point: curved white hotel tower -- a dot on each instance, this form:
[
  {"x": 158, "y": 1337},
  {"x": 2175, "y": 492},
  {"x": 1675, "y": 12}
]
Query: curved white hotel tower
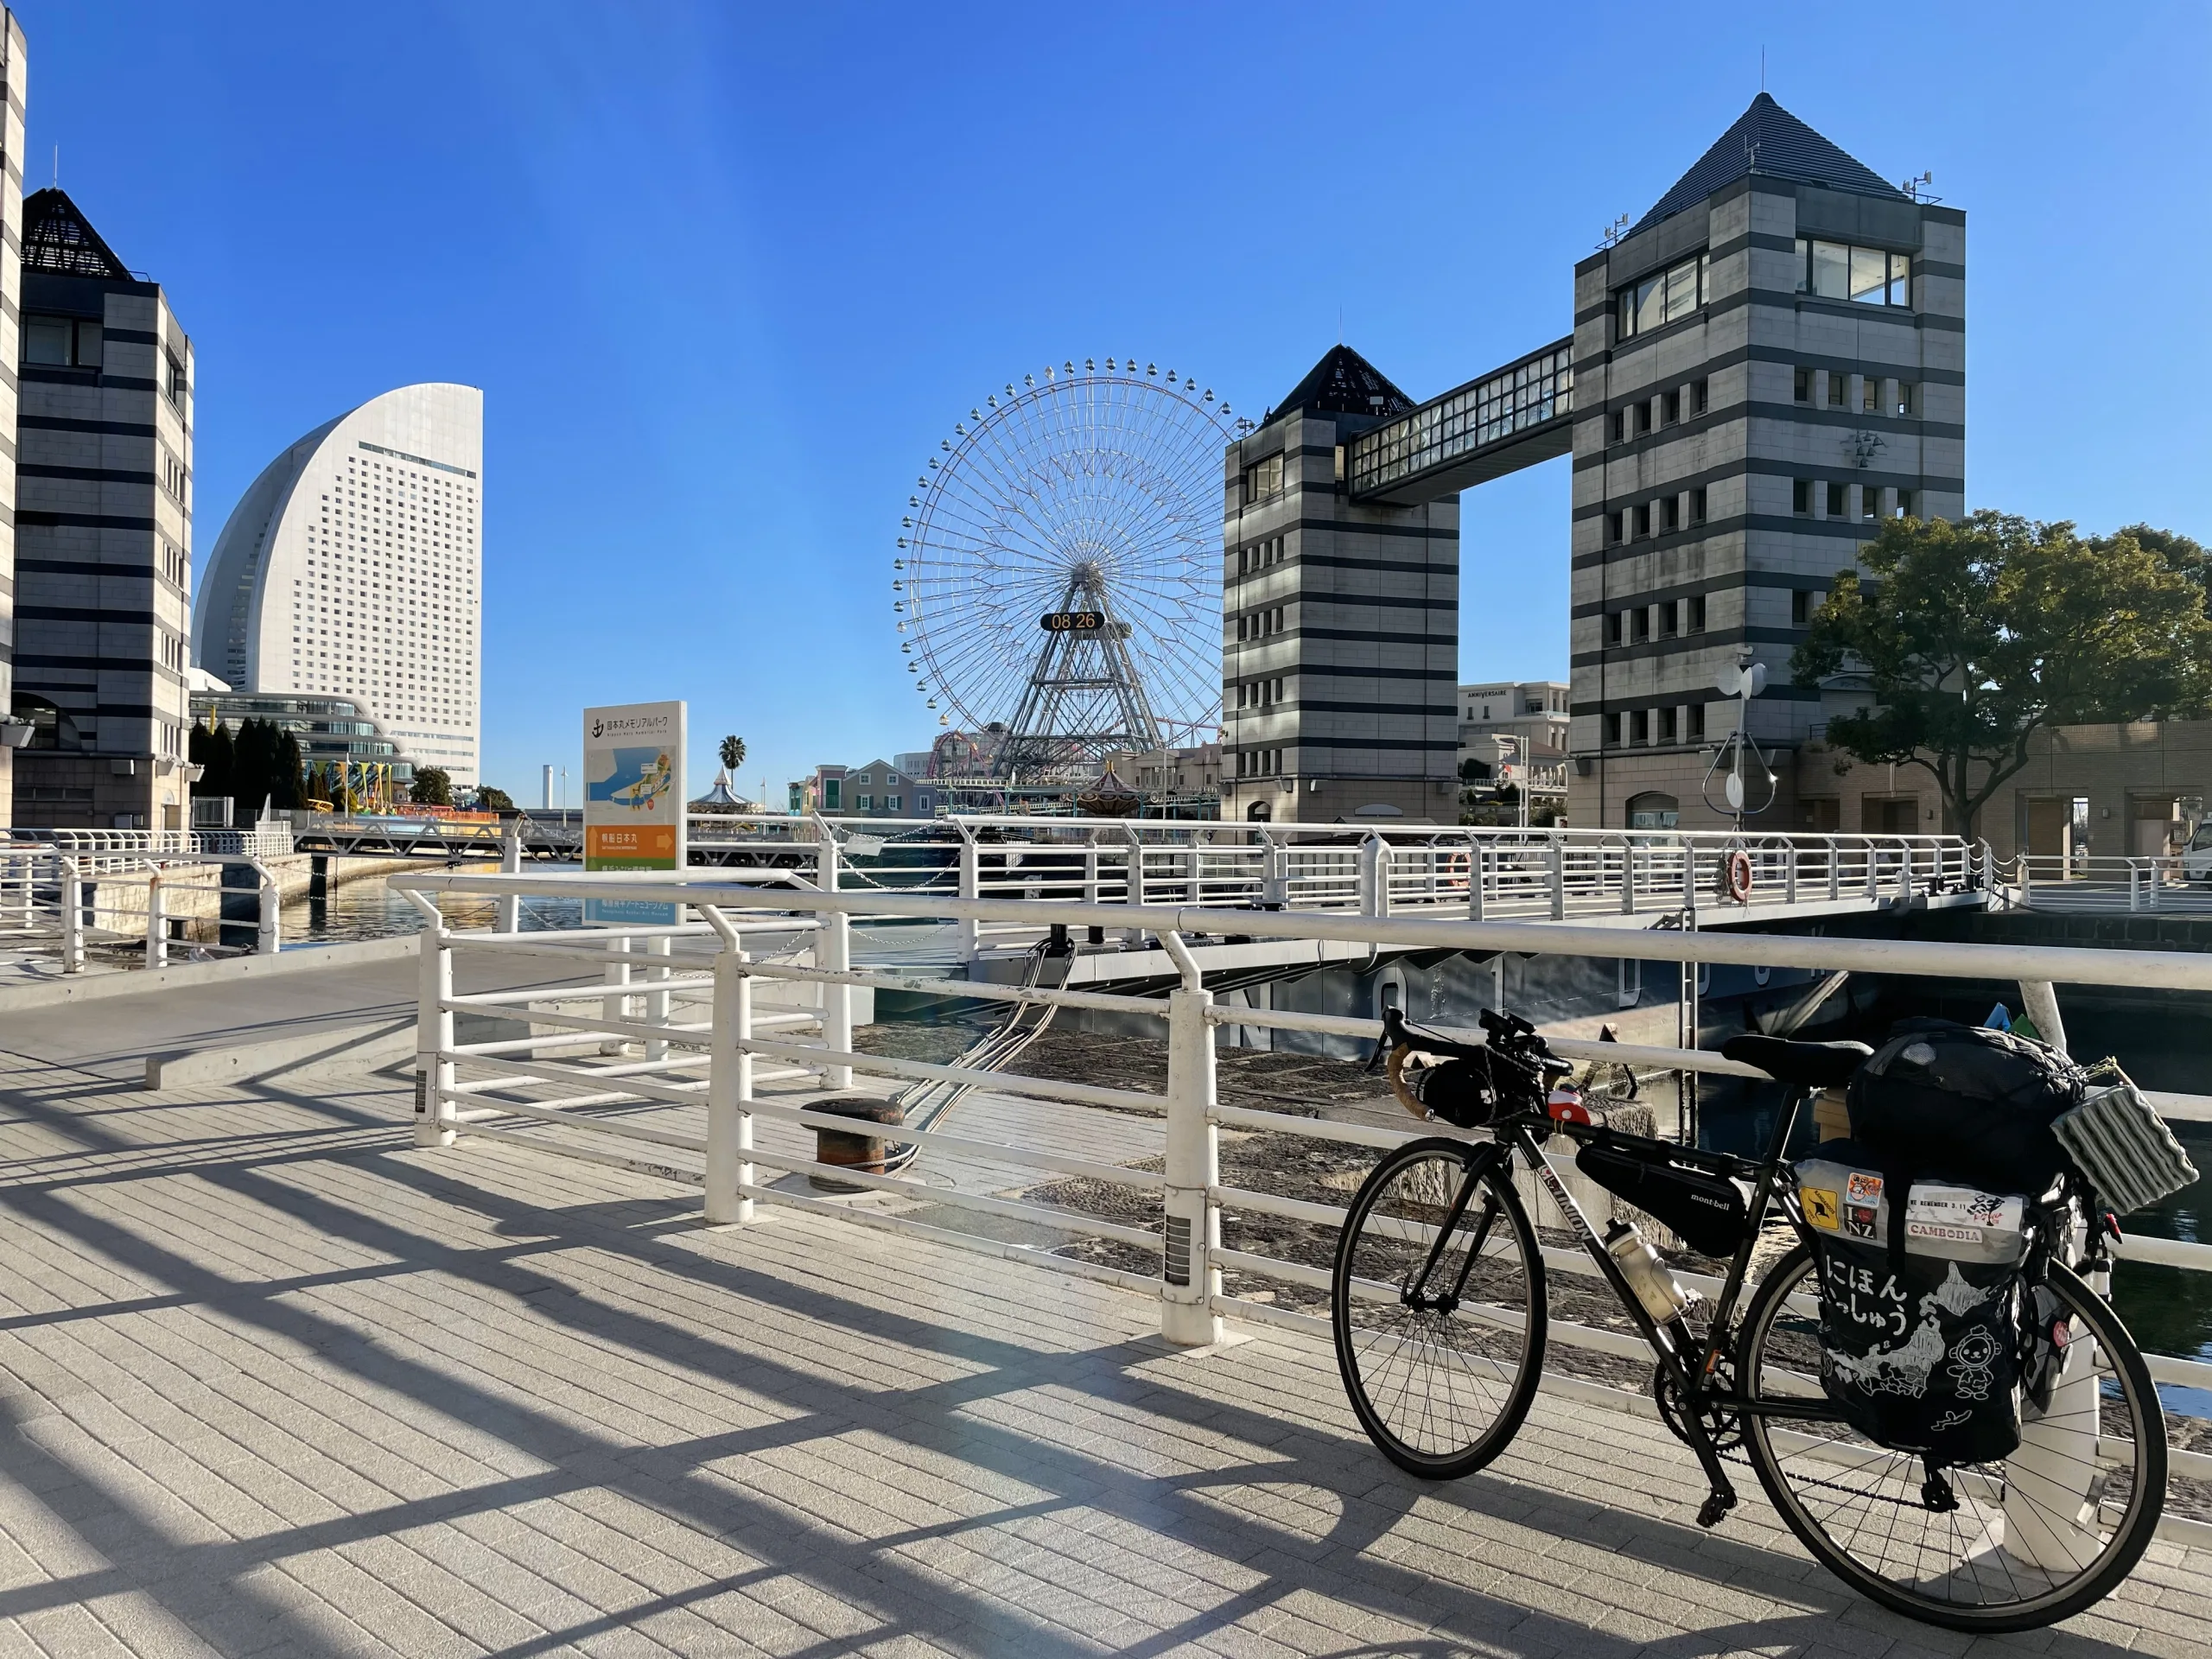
[{"x": 354, "y": 566}]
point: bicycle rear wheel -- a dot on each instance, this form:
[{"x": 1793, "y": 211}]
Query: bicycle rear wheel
[
  {"x": 2032, "y": 1539},
  {"x": 1439, "y": 1308}
]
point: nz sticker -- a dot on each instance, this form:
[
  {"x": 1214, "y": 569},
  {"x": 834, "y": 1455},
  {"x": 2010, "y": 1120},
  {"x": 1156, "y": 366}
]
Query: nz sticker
[
  {"x": 1859, "y": 1222},
  {"x": 1863, "y": 1189},
  {"x": 1819, "y": 1206}
]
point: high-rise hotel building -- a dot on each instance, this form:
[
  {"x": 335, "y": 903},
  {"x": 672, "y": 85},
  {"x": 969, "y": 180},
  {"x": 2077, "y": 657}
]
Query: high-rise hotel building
[{"x": 354, "y": 566}]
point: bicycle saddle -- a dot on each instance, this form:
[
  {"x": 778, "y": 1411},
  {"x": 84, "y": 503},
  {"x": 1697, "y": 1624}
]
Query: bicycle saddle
[{"x": 1808, "y": 1065}]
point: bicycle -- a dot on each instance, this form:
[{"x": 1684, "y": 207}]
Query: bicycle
[{"x": 1439, "y": 1313}]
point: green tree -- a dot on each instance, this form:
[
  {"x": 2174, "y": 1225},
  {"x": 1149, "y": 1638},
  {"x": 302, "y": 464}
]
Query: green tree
[
  {"x": 433, "y": 786},
  {"x": 287, "y": 791},
  {"x": 491, "y": 798},
  {"x": 1969, "y": 638},
  {"x": 732, "y": 750},
  {"x": 214, "y": 750}
]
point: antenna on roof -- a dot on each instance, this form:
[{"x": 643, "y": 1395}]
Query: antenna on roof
[
  {"x": 1611, "y": 235},
  {"x": 57, "y": 166},
  {"x": 1917, "y": 188}
]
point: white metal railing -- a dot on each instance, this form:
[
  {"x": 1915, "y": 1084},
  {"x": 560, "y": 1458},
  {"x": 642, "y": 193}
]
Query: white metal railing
[
  {"x": 1476, "y": 873},
  {"x": 66, "y": 898},
  {"x": 677, "y": 1069},
  {"x": 2146, "y": 883}
]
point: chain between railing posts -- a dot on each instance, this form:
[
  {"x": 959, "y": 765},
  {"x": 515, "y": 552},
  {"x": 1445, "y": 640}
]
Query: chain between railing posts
[
  {"x": 433, "y": 1119},
  {"x": 1190, "y": 1279}
]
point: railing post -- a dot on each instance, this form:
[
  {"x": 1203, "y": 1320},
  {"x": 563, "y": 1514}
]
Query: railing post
[
  {"x": 511, "y": 864},
  {"x": 612, "y": 1008},
  {"x": 729, "y": 1085},
  {"x": 971, "y": 886},
  {"x": 1790, "y": 871},
  {"x": 657, "y": 1002},
  {"x": 1689, "y": 883},
  {"x": 835, "y": 955},
  {"x": 1090, "y": 867},
  {"x": 1477, "y": 874},
  {"x": 1374, "y": 879},
  {"x": 1556, "y": 852},
  {"x": 267, "y": 938},
  {"x": 1190, "y": 1279},
  {"x": 434, "y": 1120},
  {"x": 73, "y": 918},
  {"x": 157, "y": 933},
  {"x": 1628, "y": 875}
]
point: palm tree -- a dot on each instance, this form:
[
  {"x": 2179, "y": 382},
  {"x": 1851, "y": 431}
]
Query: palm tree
[{"x": 733, "y": 753}]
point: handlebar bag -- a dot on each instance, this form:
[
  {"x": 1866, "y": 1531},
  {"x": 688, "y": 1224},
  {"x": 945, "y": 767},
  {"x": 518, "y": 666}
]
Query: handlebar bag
[{"x": 1965, "y": 1103}]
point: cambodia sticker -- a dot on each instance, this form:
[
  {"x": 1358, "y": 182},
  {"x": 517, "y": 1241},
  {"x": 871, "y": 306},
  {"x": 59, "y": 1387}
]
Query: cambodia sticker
[
  {"x": 1863, "y": 1189},
  {"x": 1818, "y": 1206},
  {"x": 1859, "y": 1220},
  {"x": 1949, "y": 1232}
]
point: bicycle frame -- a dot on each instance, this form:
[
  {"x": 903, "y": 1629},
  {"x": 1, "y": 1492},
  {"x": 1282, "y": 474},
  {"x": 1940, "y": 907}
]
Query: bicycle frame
[{"x": 1693, "y": 1367}]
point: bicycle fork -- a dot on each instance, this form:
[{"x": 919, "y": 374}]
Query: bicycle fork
[{"x": 1672, "y": 1344}]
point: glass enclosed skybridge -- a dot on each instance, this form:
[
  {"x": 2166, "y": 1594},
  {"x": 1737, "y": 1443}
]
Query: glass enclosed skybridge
[{"x": 1503, "y": 421}]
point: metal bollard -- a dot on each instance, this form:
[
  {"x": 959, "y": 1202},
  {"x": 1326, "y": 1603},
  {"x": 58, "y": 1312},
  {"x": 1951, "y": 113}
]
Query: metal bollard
[
  {"x": 157, "y": 933},
  {"x": 268, "y": 937},
  {"x": 511, "y": 864},
  {"x": 729, "y": 1085},
  {"x": 434, "y": 1073}
]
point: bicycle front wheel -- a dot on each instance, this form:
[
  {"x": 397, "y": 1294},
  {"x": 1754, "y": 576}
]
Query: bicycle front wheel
[
  {"x": 2025, "y": 1542},
  {"x": 1439, "y": 1308}
]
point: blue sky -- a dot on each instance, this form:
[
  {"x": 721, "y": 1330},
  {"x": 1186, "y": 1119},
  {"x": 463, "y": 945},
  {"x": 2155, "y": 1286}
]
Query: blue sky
[{"x": 726, "y": 274}]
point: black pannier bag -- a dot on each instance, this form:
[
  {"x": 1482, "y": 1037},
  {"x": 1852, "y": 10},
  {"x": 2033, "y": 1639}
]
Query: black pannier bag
[
  {"x": 1921, "y": 1346},
  {"x": 1964, "y": 1104},
  {"x": 1708, "y": 1210}
]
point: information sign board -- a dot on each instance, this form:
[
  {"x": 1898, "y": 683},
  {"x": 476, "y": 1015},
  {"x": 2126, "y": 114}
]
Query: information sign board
[{"x": 633, "y": 800}]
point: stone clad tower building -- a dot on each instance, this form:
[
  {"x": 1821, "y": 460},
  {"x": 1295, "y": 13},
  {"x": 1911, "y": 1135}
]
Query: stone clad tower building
[
  {"x": 1769, "y": 363},
  {"x": 1340, "y": 629}
]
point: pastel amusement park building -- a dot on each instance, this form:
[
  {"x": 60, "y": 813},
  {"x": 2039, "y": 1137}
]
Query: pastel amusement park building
[{"x": 354, "y": 567}]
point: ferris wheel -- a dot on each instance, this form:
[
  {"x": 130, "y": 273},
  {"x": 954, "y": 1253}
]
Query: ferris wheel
[{"x": 1058, "y": 575}]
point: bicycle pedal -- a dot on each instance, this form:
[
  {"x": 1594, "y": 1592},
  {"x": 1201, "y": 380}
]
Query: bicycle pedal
[{"x": 1715, "y": 1509}]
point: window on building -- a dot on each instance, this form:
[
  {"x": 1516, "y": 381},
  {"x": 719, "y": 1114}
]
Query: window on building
[
  {"x": 1801, "y": 607},
  {"x": 1617, "y": 427},
  {"x": 1612, "y": 731},
  {"x": 1642, "y": 615},
  {"x": 831, "y": 793},
  {"x": 1693, "y": 622},
  {"x": 1839, "y": 270},
  {"x": 1700, "y": 397},
  {"x": 1644, "y": 520},
  {"x": 1262, "y": 480},
  {"x": 1667, "y": 614},
  {"x": 1613, "y": 638},
  {"x": 62, "y": 342},
  {"x": 1801, "y": 385},
  {"x": 1667, "y": 726},
  {"x": 1838, "y": 388},
  {"x": 890, "y": 777},
  {"x": 1670, "y": 512},
  {"x": 890, "y": 802},
  {"x": 1870, "y": 501},
  {"x": 1613, "y": 527},
  {"x": 1905, "y": 504},
  {"x": 1697, "y": 504},
  {"x": 1908, "y": 398},
  {"x": 176, "y": 385},
  {"x": 1642, "y": 418},
  {"x": 1671, "y": 408},
  {"x": 1801, "y": 497},
  {"x": 865, "y": 778},
  {"x": 864, "y": 803},
  {"x": 1639, "y": 727},
  {"x": 1695, "y": 734},
  {"x": 1664, "y": 297},
  {"x": 1870, "y": 394},
  {"x": 1837, "y": 495}
]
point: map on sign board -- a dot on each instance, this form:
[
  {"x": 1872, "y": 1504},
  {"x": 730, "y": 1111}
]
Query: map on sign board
[{"x": 633, "y": 800}]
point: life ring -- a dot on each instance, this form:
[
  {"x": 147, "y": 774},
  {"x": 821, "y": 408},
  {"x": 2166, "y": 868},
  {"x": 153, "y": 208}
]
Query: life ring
[{"x": 1736, "y": 877}]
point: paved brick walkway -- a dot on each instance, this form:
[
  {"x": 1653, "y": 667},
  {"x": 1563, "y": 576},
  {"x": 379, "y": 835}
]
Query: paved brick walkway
[{"x": 273, "y": 1382}]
